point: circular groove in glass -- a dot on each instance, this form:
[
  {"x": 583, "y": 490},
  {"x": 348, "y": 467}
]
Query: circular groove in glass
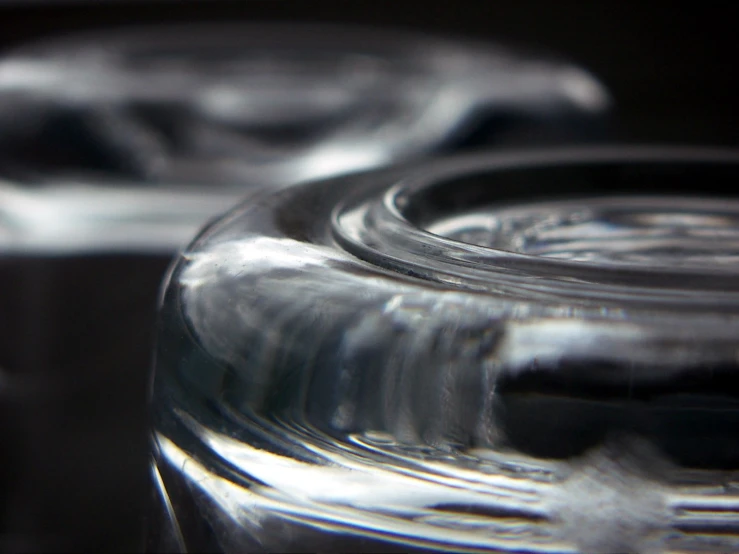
[{"x": 337, "y": 370}]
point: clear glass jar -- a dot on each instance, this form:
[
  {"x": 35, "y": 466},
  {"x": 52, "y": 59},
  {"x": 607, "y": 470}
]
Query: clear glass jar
[{"x": 528, "y": 352}]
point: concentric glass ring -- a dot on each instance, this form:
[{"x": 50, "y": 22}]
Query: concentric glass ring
[
  {"x": 357, "y": 364},
  {"x": 400, "y": 222}
]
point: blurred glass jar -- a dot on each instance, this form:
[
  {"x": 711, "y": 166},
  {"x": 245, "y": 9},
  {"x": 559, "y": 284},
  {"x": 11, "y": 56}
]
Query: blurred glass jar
[
  {"x": 265, "y": 104},
  {"x": 531, "y": 352}
]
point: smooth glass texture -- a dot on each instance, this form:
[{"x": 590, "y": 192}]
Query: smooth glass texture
[
  {"x": 531, "y": 352},
  {"x": 168, "y": 115}
]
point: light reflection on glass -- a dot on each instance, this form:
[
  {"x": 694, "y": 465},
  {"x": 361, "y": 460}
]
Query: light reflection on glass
[{"x": 338, "y": 370}]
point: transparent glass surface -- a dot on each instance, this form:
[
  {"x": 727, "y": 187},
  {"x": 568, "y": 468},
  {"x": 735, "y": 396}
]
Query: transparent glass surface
[
  {"x": 212, "y": 109},
  {"x": 531, "y": 352}
]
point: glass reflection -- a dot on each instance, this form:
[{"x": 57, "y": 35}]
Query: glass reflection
[{"x": 333, "y": 375}]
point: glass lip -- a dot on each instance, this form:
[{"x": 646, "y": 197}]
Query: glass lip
[
  {"x": 387, "y": 236},
  {"x": 465, "y": 65}
]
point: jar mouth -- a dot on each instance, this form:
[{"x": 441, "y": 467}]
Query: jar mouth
[{"x": 637, "y": 224}]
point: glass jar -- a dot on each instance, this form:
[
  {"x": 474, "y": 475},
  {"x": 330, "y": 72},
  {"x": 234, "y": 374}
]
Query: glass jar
[
  {"x": 525, "y": 352},
  {"x": 273, "y": 103}
]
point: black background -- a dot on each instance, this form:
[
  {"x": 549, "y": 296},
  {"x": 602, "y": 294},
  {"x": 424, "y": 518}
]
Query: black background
[{"x": 670, "y": 67}]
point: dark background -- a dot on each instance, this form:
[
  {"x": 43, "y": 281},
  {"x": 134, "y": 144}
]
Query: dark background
[{"x": 75, "y": 334}]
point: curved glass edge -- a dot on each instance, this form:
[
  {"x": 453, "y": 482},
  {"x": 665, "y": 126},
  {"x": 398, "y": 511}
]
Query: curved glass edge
[{"x": 310, "y": 396}]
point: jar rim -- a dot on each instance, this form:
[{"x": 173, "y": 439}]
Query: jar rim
[{"x": 396, "y": 222}]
